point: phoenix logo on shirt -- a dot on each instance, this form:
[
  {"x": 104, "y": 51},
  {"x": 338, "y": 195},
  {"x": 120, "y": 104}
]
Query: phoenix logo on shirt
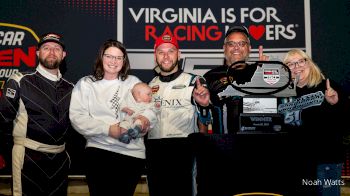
[
  {"x": 160, "y": 102},
  {"x": 171, "y": 102}
]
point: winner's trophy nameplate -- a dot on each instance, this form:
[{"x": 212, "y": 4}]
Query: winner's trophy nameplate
[{"x": 260, "y": 123}]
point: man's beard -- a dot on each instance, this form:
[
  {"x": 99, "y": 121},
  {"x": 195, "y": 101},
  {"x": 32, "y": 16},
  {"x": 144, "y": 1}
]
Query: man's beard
[
  {"x": 170, "y": 69},
  {"x": 50, "y": 64}
]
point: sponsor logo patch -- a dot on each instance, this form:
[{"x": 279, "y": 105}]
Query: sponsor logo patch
[
  {"x": 155, "y": 89},
  {"x": 10, "y": 92},
  {"x": 180, "y": 86},
  {"x": 271, "y": 76}
]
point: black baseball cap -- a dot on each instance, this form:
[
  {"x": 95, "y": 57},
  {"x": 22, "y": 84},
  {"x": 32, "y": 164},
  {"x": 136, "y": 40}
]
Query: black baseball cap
[
  {"x": 241, "y": 29},
  {"x": 51, "y": 37}
]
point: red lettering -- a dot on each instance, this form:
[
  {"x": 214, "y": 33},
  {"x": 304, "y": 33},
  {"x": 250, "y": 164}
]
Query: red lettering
[
  {"x": 150, "y": 31},
  {"x": 177, "y": 34},
  {"x": 14, "y": 57},
  {"x": 217, "y": 34},
  {"x": 200, "y": 33},
  {"x": 29, "y": 59},
  {"x": 186, "y": 32},
  {"x": 167, "y": 30},
  {"x": 192, "y": 32},
  {"x": 5, "y": 58}
]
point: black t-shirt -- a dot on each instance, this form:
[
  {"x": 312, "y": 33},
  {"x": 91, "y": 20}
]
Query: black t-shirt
[{"x": 316, "y": 127}]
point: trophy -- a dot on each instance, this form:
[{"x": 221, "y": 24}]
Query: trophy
[{"x": 260, "y": 83}]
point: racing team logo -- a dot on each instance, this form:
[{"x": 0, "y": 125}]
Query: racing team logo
[{"x": 271, "y": 75}]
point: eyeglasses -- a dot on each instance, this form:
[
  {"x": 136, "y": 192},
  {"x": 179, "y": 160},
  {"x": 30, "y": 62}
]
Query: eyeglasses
[
  {"x": 300, "y": 63},
  {"x": 235, "y": 44},
  {"x": 114, "y": 58}
]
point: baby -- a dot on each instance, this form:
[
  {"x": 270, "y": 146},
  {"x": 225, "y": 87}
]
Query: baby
[{"x": 137, "y": 101}]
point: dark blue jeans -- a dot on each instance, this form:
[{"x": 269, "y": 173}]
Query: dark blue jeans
[{"x": 330, "y": 176}]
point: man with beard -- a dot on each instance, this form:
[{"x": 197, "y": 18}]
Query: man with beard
[
  {"x": 38, "y": 103},
  {"x": 169, "y": 156}
]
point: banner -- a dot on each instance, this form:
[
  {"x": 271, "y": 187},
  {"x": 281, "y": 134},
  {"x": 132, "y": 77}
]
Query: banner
[{"x": 200, "y": 27}]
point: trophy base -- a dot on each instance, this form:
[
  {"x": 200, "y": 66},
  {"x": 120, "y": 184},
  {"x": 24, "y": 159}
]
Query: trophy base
[{"x": 269, "y": 123}]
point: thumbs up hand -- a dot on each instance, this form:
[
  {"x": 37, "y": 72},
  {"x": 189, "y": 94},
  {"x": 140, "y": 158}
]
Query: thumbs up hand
[
  {"x": 262, "y": 57},
  {"x": 331, "y": 95},
  {"x": 201, "y": 94}
]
